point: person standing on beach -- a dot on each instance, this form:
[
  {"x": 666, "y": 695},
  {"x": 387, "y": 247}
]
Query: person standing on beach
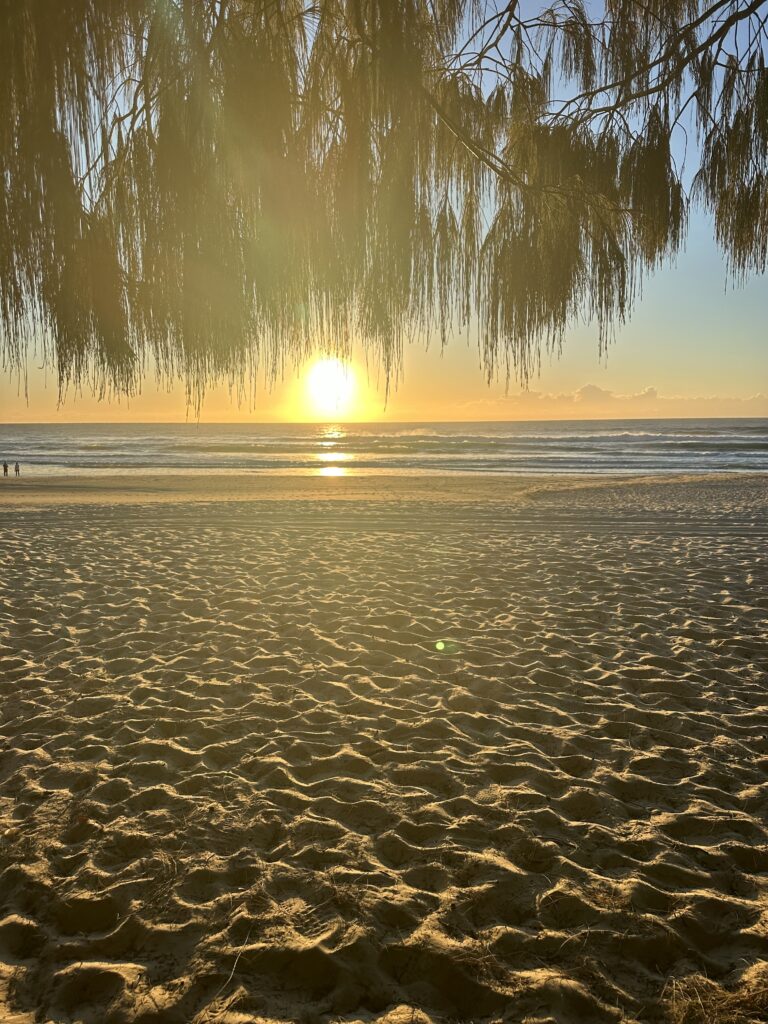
[
  {"x": 5, "y": 469},
  {"x": 17, "y": 469}
]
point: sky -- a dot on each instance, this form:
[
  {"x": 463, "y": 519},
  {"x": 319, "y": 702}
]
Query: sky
[{"x": 695, "y": 346}]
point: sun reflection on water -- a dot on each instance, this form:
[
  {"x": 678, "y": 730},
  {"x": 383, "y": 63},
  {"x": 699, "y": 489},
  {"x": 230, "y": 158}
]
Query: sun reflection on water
[
  {"x": 333, "y": 456},
  {"x": 332, "y": 436}
]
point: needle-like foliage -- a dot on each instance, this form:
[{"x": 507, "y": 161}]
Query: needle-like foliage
[{"x": 211, "y": 185}]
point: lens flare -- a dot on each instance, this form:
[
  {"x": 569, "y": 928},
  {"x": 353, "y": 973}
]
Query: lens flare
[{"x": 448, "y": 647}]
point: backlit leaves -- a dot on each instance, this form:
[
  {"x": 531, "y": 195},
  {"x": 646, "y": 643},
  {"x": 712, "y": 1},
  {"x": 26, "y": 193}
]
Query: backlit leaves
[{"x": 204, "y": 186}]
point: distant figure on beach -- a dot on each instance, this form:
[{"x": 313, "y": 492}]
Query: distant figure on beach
[
  {"x": 5, "y": 469},
  {"x": 17, "y": 469}
]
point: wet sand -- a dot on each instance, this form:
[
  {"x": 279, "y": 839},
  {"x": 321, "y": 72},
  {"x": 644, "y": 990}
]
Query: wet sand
[{"x": 384, "y": 749}]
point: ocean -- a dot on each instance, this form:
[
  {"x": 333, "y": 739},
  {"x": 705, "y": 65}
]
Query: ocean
[{"x": 604, "y": 446}]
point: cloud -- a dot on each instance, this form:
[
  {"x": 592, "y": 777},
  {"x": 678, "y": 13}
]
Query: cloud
[
  {"x": 593, "y": 402},
  {"x": 592, "y": 394}
]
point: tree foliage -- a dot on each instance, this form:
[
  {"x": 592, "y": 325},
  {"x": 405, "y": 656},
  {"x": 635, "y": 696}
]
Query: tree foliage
[{"x": 210, "y": 185}]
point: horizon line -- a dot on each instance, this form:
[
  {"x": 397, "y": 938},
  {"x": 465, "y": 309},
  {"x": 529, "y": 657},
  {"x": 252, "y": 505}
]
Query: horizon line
[{"x": 360, "y": 423}]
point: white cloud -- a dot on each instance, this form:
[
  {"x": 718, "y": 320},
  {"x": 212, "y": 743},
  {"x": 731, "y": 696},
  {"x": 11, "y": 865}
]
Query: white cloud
[{"x": 593, "y": 402}]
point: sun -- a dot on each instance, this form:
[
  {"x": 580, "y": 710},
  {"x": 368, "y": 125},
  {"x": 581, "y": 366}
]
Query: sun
[{"x": 330, "y": 387}]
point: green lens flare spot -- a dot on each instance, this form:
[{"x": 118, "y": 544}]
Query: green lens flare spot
[{"x": 446, "y": 647}]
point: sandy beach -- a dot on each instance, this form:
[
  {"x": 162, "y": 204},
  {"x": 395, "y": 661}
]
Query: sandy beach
[{"x": 402, "y": 750}]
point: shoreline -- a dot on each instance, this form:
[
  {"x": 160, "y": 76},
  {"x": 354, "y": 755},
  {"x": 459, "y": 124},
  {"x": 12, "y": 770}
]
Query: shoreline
[{"x": 118, "y": 489}]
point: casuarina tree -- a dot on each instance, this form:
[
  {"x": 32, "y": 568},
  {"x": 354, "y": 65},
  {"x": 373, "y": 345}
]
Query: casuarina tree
[{"x": 204, "y": 186}]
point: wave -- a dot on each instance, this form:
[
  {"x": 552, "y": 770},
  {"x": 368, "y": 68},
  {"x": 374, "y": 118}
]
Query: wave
[{"x": 575, "y": 447}]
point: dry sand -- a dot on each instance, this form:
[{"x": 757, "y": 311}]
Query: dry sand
[{"x": 241, "y": 781}]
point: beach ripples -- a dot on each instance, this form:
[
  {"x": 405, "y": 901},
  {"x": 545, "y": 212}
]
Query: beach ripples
[{"x": 240, "y": 782}]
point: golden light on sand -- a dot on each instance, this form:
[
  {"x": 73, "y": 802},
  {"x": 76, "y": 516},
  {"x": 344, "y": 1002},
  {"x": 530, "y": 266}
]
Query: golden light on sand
[
  {"x": 332, "y": 471},
  {"x": 330, "y": 387}
]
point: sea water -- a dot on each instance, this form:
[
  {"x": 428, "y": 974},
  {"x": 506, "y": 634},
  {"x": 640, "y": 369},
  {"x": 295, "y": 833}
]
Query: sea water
[{"x": 597, "y": 446}]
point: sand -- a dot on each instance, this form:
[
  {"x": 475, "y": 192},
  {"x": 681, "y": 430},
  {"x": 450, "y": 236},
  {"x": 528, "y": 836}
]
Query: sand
[{"x": 377, "y": 749}]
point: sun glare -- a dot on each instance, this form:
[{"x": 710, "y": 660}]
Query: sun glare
[{"x": 331, "y": 387}]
